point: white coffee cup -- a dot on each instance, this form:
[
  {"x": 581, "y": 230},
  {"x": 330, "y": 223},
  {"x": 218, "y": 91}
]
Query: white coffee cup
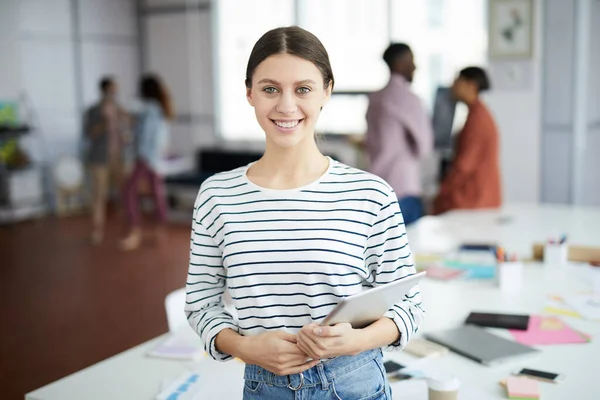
[{"x": 443, "y": 387}]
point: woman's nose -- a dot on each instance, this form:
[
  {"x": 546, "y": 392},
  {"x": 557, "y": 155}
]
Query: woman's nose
[{"x": 287, "y": 104}]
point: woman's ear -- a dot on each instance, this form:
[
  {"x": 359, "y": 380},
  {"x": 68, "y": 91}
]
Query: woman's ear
[
  {"x": 249, "y": 96},
  {"x": 327, "y": 95}
]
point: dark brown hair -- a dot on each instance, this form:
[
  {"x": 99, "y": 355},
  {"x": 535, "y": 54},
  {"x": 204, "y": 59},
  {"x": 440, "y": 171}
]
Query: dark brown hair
[
  {"x": 395, "y": 51},
  {"x": 152, "y": 88},
  {"x": 478, "y": 76},
  {"x": 105, "y": 83},
  {"x": 291, "y": 40}
]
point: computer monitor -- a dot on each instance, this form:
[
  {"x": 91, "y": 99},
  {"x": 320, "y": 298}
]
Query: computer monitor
[
  {"x": 344, "y": 114},
  {"x": 443, "y": 121}
]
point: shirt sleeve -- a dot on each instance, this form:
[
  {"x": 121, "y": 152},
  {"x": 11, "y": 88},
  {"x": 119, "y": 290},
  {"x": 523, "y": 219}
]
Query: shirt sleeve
[
  {"x": 205, "y": 286},
  {"x": 388, "y": 259},
  {"x": 418, "y": 127}
]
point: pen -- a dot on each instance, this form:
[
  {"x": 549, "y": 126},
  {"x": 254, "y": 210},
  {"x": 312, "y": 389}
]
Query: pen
[
  {"x": 563, "y": 239},
  {"x": 500, "y": 254}
]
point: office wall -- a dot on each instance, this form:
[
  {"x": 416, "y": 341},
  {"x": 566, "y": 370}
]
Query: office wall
[
  {"x": 108, "y": 40},
  {"x": 48, "y": 81},
  {"x": 54, "y": 52},
  {"x": 591, "y": 164},
  {"x": 517, "y": 108},
  {"x": 558, "y": 97},
  {"x": 10, "y": 71},
  {"x": 177, "y": 45},
  {"x": 560, "y": 182}
]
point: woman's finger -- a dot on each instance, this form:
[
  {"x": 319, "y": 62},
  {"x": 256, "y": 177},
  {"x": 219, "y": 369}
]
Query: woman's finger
[
  {"x": 300, "y": 368},
  {"x": 316, "y": 350},
  {"x": 332, "y": 331},
  {"x": 307, "y": 350},
  {"x": 293, "y": 360}
]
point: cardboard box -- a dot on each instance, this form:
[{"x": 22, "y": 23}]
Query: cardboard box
[{"x": 575, "y": 254}]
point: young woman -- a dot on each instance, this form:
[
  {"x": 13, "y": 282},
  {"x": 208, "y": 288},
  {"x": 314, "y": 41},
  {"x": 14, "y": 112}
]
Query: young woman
[
  {"x": 289, "y": 236},
  {"x": 473, "y": 180},
  {"x": 151, "y": 138}
]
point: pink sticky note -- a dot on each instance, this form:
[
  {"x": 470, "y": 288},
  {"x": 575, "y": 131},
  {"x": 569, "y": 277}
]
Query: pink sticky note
[
  {"x": 536, "y": 334},
  {"x": 522, "y": 388}
]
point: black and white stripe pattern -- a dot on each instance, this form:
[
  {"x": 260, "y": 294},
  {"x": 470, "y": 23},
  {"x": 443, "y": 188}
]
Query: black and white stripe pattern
[{"x": 288, "y": 256}]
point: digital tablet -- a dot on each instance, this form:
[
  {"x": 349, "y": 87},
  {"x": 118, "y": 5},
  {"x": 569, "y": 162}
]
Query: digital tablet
[{"x": 364, "y": 308}]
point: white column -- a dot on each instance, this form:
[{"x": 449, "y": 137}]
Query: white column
[{"x": 583, "y": 26}]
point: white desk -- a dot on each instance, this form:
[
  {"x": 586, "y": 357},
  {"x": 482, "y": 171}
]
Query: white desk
[
  {"x": 130, "y": 375},
  {"x": 517, "y": 226}
]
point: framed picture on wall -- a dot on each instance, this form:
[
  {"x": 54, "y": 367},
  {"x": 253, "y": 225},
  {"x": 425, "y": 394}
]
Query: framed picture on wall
[{"x": 511, "y": 29}]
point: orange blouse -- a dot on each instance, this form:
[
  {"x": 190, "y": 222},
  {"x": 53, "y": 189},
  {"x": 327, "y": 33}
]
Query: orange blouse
[{"x": 473, "y": 180}]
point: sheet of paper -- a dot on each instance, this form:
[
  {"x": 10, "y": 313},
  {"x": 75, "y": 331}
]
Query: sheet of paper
[
  {"x": 547, "y": 330},
  {"x": 588, "y": 306}
]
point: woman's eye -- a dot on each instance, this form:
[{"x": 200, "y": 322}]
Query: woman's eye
[
  {"x": 270, "y": 89},
  {"x": 303, "y": 90}
]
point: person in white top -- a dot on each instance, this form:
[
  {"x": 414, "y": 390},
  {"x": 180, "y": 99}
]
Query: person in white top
[{"x": 290, "y": 235}]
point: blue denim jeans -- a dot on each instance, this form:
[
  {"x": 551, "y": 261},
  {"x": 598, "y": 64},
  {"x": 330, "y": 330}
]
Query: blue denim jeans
[
  {"x": 412, "y": 208},
  {"x": 360, "y": 377}
]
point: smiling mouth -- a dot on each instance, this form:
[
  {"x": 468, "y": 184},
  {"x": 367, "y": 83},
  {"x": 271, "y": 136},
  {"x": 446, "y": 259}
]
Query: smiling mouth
[{"x": 287, "y": 124}]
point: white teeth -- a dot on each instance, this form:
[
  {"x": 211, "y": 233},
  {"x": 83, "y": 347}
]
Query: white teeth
[{"x": 287, "y": 124}]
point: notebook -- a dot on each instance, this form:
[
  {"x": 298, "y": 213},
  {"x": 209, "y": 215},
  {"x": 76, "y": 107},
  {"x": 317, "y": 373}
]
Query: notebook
[
  {"x": 494, "y": 320},
  {"x": 520, "y": 388},
  {"x": 479, "y": 345}
]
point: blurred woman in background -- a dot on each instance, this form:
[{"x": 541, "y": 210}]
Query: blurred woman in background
[
  {"x": 473, "y": 180},
  {"x": 150, "y": 142}
]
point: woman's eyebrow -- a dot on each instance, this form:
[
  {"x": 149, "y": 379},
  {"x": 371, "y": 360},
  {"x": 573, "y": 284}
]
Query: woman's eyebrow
[{"x": 271, "y": 81}]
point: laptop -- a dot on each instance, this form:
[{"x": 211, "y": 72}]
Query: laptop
[{"x": 479, "y": 345}]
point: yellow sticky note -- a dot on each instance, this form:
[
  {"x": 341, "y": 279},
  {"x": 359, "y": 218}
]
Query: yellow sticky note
[
  {"x": 561, "y": 311},
  {"x": 551, "y": 324}
]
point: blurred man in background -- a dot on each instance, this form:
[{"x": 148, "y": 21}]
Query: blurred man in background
[
  {"x": 473, "y": 180},
  {"x": 399, "y": 132},
  {"x": 105, "y": 129}
]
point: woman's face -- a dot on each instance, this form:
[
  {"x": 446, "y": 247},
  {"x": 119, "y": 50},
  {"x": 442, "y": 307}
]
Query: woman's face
[
  {"x": 287, "y": 95},
  {"x": 463, "y": 89}
]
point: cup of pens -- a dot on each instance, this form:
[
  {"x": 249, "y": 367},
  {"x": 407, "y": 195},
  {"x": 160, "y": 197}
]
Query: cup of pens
[
  {"x": 556, "y": 252},
  {"x": 509, "y": 271}
]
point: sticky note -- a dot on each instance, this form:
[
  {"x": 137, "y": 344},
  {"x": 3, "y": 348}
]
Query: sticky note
[
  {"x": 551, "y": 324},
  {"x": 520, "y": 388}
]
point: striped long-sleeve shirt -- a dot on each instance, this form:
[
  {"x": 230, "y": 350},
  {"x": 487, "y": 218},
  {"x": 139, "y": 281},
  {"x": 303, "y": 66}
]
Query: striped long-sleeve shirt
[{"x": 287, "y": 257}]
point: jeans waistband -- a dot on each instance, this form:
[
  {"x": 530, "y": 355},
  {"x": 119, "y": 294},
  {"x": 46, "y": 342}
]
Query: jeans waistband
[{"x": 322, "y": 373}]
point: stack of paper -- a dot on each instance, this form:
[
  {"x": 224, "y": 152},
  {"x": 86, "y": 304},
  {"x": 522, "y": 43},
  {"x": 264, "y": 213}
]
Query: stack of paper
[{"x": 177, "y": 347}]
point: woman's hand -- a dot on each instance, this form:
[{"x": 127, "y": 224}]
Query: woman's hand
[
  {"x": 330, "y": 341},
  {"x": 276, "y": 352}
]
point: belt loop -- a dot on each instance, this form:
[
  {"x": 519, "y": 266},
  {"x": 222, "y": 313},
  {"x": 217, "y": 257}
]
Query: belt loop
[
  {"x": 299, "y": 385},
  {"x": 322, "y": 376}
]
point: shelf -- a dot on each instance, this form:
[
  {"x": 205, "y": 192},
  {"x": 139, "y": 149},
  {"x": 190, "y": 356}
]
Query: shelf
[
  {"x": 13, "y": 132},
  {"x": 17, "y": 214}
]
